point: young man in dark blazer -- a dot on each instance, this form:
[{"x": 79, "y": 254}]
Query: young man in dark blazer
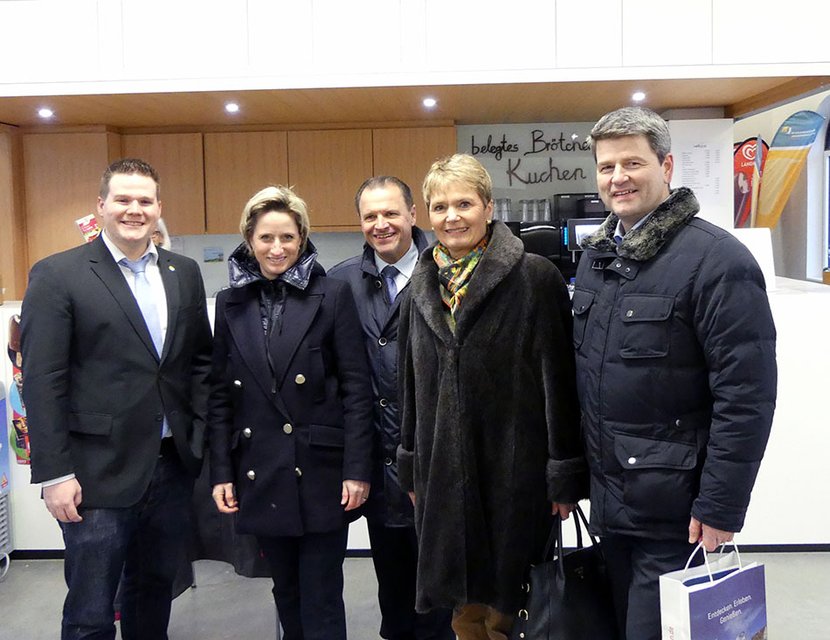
[
  {"x": 379, "y": 279},
  {"x": 117, "y": 355}
]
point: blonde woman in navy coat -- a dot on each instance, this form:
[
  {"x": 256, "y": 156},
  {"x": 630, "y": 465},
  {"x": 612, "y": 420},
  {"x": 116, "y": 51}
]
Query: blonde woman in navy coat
[{"x": 290, "y": 412}]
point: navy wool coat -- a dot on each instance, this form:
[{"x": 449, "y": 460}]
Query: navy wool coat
[{"x": 288, "y": 438}]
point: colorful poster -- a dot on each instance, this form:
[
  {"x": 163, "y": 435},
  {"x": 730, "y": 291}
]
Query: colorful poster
[
  {"x": 5, "y": 474},
  {"x": 785, "y": 161},
  {"x": 748, "y": 165},
  {"x": 19, "y": 435}
]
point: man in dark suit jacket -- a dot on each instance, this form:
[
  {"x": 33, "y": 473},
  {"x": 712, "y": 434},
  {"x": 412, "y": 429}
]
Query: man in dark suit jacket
[
  {"x": 115, "y": 384},
  {"x": 393, "y": 244}
]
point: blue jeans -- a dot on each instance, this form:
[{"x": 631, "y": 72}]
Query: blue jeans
[{"x": 146, "y": 542}]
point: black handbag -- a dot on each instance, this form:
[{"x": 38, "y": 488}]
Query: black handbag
[{"x": 568, "y": 595}]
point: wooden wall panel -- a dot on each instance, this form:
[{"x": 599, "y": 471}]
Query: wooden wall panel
[
  {"x": 62, "y": 172},
  {"x": 237, "y": 165},
  {"x": 13, "y": 263},
  {"x": 114, "y": 144},
  {"x": 326, "y": 168},
  {"x": 408, "y": 154},
  {"x": 178, "y": 158}
]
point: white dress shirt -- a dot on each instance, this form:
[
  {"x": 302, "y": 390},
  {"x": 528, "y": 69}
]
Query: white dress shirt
[
  {"x": 405, "y": 266},
  {"x": 153, "y": 277}
]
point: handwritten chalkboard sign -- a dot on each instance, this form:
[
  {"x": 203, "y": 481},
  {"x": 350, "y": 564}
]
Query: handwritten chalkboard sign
[{"x": 532, "y": 160}]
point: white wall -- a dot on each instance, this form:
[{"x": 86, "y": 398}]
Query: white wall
[
  {"x": 789, "y": 502},
  {"x": 118, "y": 46}
]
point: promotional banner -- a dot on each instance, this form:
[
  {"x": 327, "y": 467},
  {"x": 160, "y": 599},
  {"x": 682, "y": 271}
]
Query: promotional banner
[
  {"x": 749, "y": 164},
  {"x": 785, "y": 161}
]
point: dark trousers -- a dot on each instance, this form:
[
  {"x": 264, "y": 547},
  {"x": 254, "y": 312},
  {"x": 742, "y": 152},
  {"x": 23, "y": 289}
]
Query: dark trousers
[
  {"x": 395, "y": 556},
  {"x": 144, "y": 541},
  {"x": 634, "y": 567},
  {"x": 308, "y": 583}
]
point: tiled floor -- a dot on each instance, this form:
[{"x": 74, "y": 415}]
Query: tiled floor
[{"x": 225, "y": 605}]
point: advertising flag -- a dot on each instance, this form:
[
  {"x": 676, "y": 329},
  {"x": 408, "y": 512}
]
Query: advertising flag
[
  {"x": 785, "y": 161},
  {"x": 757, "y": 171},
  {"x": 748, "y": 167}
]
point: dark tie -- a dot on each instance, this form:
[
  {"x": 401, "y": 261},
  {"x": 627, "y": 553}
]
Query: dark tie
[
  {"x": 389, "y": 273},
  {"x": 144, "y": 298}
]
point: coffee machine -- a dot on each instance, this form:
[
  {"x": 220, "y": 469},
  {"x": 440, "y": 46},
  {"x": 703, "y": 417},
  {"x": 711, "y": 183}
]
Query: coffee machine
[{"x": 556, "y": 232}]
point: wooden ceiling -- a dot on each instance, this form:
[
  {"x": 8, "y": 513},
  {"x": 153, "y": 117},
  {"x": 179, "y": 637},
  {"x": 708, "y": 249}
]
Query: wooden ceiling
[{"x": 457, "y": 104}]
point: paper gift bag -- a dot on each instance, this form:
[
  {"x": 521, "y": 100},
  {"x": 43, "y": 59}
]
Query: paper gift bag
[{"x": 721, "y": 599}]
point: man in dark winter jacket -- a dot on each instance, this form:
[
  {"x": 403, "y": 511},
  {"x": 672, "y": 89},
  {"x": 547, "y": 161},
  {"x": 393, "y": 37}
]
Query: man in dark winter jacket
[
  {"x": 675, "y": 351},
  {"x": 379, "y": 279}
]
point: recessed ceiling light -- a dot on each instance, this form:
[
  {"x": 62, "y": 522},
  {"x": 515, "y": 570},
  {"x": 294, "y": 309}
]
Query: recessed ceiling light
[
  {"x": 638, "y": 96},
  {"x": 45, "y": 112},
  {"x": 232, "y": 107},
  {"x": 429, "y": 103}
]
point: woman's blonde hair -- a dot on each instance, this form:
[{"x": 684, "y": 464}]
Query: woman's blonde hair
[
  {"x": 280, "y": 199},
  {"x": 459, "y": 168}
]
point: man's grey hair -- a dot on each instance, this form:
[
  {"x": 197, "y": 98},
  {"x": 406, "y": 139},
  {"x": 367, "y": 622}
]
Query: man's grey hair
[{"x": 633, "y": 121}]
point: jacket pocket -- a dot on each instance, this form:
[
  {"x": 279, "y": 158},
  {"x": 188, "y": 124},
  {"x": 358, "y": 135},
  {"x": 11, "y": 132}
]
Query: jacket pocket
[
  {"x": 581, "y": 303},
  {"x": 320, "y": 435},
  {"x": 93, "y": 424},
  {"x": 646, "y": 326},
  {"x": 660, "y": 478}
]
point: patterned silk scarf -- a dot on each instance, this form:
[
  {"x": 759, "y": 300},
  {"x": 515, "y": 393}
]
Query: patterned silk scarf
[{"x": 454, "y": 275}]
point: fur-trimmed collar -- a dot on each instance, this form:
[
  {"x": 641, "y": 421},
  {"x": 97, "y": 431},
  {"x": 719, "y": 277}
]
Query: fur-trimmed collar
[
  {"x": 645, "y": 242},
  {"x": 502, "y": 255}
]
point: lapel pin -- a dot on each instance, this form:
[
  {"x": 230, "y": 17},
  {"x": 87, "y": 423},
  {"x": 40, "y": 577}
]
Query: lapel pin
[{"x": 171, "y": 267}]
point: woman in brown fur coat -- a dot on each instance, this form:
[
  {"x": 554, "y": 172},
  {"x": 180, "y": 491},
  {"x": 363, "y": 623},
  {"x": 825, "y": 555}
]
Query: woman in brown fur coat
[{"x": 490, "y": 430}]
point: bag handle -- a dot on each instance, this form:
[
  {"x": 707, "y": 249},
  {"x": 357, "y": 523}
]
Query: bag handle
[
  {"x": 580, "y": 516},
  {"x": 706, "y": 557},
  {"x": 554, "y": 545},
  {"x": 554, "y": 540}
]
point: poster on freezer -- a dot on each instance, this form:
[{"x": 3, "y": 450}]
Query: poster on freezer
[
  {"x": 5, "y": 472},
  {"x": 19, "y": 433}
]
